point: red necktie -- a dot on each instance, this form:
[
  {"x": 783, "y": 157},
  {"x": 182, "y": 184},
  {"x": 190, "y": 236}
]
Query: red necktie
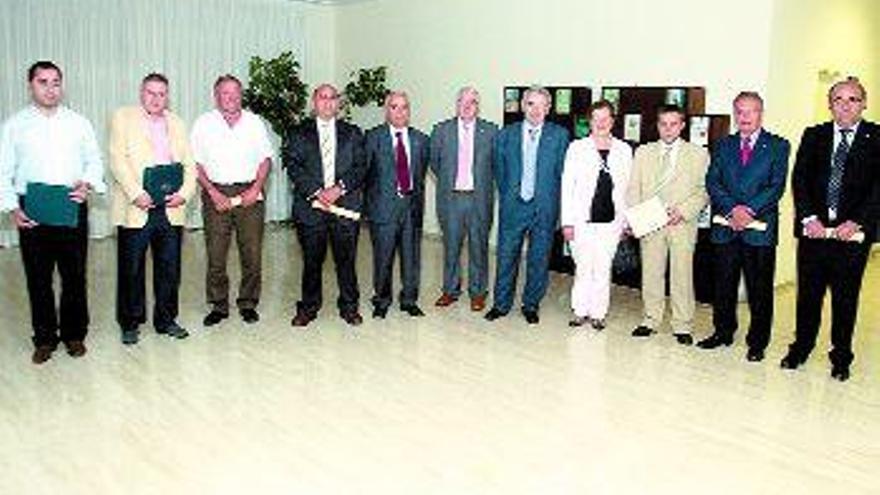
[
  {"x": 403, "y": 183},
  {"x": 745, "y": 151}
]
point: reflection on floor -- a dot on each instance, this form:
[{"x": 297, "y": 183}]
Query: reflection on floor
[{"x": 443, "y": 404}]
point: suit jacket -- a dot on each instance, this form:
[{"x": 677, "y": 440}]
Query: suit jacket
[
  {"x": 131, "y": 151},
  {"x": 759, "y": 184},
  {"x": 508, "y": 171},
  {"x": 302, "y": 158},
  {"x": 444, "y": 164},
  {"x": 686, "y": 187},
  {"x": 380, "y": 184},
  {"x": 582, "y": 165},
  {"x": 812, "y": 169}
]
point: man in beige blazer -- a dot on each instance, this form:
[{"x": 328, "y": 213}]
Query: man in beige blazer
[
  {"x": 675, "y": 171},
  {"x": 142, "y": 137}
]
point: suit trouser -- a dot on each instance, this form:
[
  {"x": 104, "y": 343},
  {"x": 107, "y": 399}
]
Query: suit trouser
[
  {"x": 132, "y": 244},
  {"x": 593, "y": 250},
  {"x": 402, "y": 233},
  {"x": 758, "y": 264},
  {"x": 247, "y": 224},
  {"x": 42, "y": 249},
  {"x": 342, "y": 235},
  {"x": 824, "y": 264},
  {"x": 512, "y": 231},
  {"x": 461, "y": 219},
  {"x": 674, "y": 245}
]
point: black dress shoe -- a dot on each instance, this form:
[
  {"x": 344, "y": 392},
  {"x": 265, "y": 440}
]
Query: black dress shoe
[
  {"x": 531, "y": 316},
  {"x": 353, "y": 318},
  {"x": 249, "y": 315},
  {"x": 755, "y": 355},
  {"x": 214, "y": 317},
  {"x": 714, "y": 341},
  {"x": 173, "y": 330},
  {"x": 130, "y": 336},
  {"x": 790, "y": 362},
  {"x": 302, "y": 319},
  {"x": 380, "y": 312},
  {"x": 642, "y": 331},
  {"x": 840, "y": 373},
  {"x": 598, "y": 324},
  {"x": 684, "y": 338},
  {"x": 494, "y": 314},
  {"x": 75, "y": 348},
  {"x": 412, "y": 310},
  {"x": 578, "y": 321}
]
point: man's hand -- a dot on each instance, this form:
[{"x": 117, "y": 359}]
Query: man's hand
[
  {"x": 80, "y": 192},
  {"x": 329, "y": 195},
  {"x": 144, "y": 201},
  {"x": 173, "y": 200},
  {"x": 674, "y": 216},
  {"x": 221, "y": 201},
  {"x": 846, "y": 230},
  {"x": 814, "y": 229},
  {"x": 250, "y": 196},
  {"x": 568, "y": 233},
  {"x": 21, "y": 220},
  {"x": 740, "y": 217}
]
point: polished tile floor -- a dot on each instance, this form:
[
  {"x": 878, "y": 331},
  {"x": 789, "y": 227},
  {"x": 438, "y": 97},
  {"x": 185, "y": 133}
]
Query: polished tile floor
[{"x": 443, "y": 404}]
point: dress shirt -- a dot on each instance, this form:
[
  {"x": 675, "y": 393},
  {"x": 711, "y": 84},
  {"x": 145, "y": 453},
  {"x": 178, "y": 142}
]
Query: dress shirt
[
  {"x": 464, "y": 176},
  {"x": 157, "y": 130},
  {"x": 327, "y": 145},
  {"x": 58, "y": 149},
  {"x": 230, "y": 154}
]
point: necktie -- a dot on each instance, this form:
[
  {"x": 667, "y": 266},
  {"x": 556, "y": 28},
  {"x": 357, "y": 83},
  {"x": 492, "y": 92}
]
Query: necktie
[
  {"x": 838, "y": 161},
  {"x": 463, "y": 177},
  {"x": 402, "y": 165},
  {"x": 527, "y": 183},
  {"x": 327, "y": 157},
  {"x": 745, "y": 151},
  {"x": 665, "y": 166}
]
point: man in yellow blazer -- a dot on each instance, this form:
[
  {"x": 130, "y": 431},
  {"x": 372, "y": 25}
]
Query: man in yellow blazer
[
  {"x": 142, "y": 137},
  {"x": 675, "y": 171}
]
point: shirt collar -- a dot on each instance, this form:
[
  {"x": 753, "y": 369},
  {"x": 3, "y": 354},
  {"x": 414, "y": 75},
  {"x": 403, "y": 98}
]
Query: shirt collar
[{"x": 854, "y": 127}]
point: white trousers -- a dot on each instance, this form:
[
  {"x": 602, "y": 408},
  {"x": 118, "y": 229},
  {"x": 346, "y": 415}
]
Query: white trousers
[{"x": 593, "y": 249}]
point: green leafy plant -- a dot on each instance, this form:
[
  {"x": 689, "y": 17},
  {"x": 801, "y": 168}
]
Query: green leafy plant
[
  {"x": 276, "y": 92},
  {"x": 367, "y": 86}
]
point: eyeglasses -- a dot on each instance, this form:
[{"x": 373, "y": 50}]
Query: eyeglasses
[{"x": 839, "y": 100}]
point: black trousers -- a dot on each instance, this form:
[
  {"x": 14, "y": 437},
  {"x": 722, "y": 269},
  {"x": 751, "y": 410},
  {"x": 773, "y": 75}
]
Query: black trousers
[
  {"x": 43, "y": 248},
  {"x": 404, "y": 234},
  {"x": 132, "y": 244},
  {"x": 824, "y": 264},
  {"x": 342, "y": 235},
  {"x": 758, "y": 264}
]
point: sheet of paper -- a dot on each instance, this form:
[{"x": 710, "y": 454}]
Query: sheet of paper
[{"x": 646, "y": 217}]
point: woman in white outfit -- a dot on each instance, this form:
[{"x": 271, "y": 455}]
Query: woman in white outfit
[{"x": 594, "y": 183}]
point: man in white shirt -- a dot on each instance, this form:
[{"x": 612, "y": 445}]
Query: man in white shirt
[
  {"x": 47, "y": 144},
  {"x": 233, "y": 156}
]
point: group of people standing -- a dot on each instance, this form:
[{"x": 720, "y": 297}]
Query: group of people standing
[{"x": 542, "y": 181}]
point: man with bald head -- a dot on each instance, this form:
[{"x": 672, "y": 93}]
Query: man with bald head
[
  {"x": 835, "y": 182},
  {"x": 461, "y": 159},
  {"x": 324, "y": 157},
  {"x": 396, "y": 156}
]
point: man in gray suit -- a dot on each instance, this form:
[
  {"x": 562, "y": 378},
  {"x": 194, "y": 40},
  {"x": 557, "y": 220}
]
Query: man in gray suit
[
  {"x": 461, "y": 159},
  {"x": 396, "y": 156}
]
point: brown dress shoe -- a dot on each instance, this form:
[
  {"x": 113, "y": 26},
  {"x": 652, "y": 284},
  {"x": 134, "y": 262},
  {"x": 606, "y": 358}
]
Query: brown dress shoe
[
  {"x": 445, "y": 300},
  {"x": 42, "y": 354},
  {"x": 75, "y": 348},
  {"x": 302, "y": 318},
  {"x": 478, "y": 303}
]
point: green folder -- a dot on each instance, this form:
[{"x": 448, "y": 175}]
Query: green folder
[
  {"x": 161, "y": 180},
  {"x": 49, "y": 204}
]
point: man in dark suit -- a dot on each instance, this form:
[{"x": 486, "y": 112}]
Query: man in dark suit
[
  {"x": 834, "y": 184},
  {"x": 461, "y": 159},
  {"x": 746, "y": 179},
  {"x": 325, "y": 161},
  {"x": 529, "y": 156},
  {"x": 396, "y": 156}
]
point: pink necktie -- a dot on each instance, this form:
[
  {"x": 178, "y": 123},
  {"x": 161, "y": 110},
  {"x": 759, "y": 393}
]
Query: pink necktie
[
  {"x": 403, "y": 183},
  {"x": 745, "y": 151},
  {"x": 463, "y": 177}
]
